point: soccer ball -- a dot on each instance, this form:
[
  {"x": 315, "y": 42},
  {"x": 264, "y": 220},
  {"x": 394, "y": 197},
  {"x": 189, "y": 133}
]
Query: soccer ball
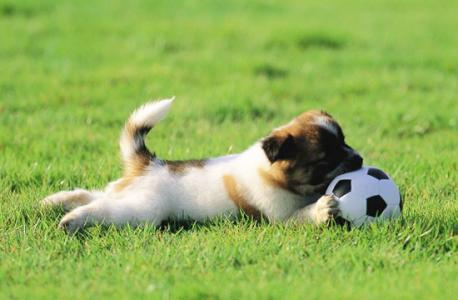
[{"x": 366, "y": 195}]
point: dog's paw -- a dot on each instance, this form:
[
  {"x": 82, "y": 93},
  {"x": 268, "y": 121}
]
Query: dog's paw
[
  {"x": 326, "y": 209},
  {"x": 67, "y": 200},
  {"x": 54, "y": 200},
  {"x": 74, "y": 220}
]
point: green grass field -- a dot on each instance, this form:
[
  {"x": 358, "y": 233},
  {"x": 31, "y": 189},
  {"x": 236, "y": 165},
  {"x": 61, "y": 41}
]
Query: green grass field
[{"x": 71, "y": 73}]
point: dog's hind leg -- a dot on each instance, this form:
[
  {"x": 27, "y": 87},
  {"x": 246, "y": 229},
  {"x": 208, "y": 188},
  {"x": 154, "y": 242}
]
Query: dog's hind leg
[
  {"x": 69, "y": 200},
  {"x": 115, "y": 211}
]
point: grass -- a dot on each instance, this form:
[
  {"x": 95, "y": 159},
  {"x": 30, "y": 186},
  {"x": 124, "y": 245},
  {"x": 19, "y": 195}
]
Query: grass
[{"x": 71, "y": 72}]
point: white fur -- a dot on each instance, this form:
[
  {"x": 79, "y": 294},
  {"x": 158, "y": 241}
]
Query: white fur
[
  {"x": 197, "y": 194},
  {"x": 324, "y": 122},
  {"x": 147, "y": 115}
]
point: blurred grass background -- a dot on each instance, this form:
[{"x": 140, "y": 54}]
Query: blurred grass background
[{"x": 71, "y": 72}]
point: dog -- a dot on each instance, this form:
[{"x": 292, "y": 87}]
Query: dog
[{"x": 282, "y": 178}]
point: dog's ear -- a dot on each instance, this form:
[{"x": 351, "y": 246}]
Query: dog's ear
[{"x": 279, "y": 148}]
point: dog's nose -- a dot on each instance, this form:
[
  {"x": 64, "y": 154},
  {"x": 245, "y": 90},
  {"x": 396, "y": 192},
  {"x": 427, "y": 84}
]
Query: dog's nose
[{"x": 355, "y": 161}]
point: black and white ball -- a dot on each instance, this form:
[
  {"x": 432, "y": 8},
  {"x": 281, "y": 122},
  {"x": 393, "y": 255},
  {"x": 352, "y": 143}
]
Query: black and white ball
[{"x": 366, "y": 195}]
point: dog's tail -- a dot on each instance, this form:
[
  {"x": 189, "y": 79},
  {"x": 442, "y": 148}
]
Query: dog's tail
[{"x": 133, "y": 149}]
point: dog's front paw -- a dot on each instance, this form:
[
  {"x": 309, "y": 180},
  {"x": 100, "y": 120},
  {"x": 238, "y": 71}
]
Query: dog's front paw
[
  {"x": 326, "y": 209},
  {"x": 74, "y": 220}
]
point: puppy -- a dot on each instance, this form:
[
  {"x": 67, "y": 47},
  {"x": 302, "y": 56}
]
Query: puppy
[{"x": 279, "y": 178}]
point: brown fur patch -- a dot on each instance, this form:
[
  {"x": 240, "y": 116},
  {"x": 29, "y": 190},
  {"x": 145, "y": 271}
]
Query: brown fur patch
[
  {"x": 275, "y": 176},
  {"x": 136, "y": 164},
  {"x": 182, "y": 166},
  {"x": 79, "y": 198},
  {"x": 302, "y": 126},
  {"x": 292, "y": 162},
  {"x": 236, "y": 196},
  {"x": 133, "y": 168}
]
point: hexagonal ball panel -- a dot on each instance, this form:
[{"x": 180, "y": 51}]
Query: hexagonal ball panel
[
  {"x": 376, "y": 173},
  {"x": 342, "y": 187},
  {"x": 375, "y": 206}
]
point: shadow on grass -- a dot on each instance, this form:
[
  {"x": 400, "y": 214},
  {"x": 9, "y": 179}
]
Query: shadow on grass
[
  {"x": 270, "y": 71},
  {"x": 9, "y": 10},
  {"x": 233, "y": 113},
  {"x": 169, "y": 226},
  {"x": 320, "y": 41},
  {"x": 416, "y": 232}
]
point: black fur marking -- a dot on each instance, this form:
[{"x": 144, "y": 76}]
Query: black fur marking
[
  {"x": 140, "y": 146},
  {"x": 279, "y": 149}
]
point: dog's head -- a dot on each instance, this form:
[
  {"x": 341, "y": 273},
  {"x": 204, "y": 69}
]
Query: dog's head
[{"x": 306, "y": 154}]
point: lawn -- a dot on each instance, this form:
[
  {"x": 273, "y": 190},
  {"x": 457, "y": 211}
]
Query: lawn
[{"x": 72, "y": 71}]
